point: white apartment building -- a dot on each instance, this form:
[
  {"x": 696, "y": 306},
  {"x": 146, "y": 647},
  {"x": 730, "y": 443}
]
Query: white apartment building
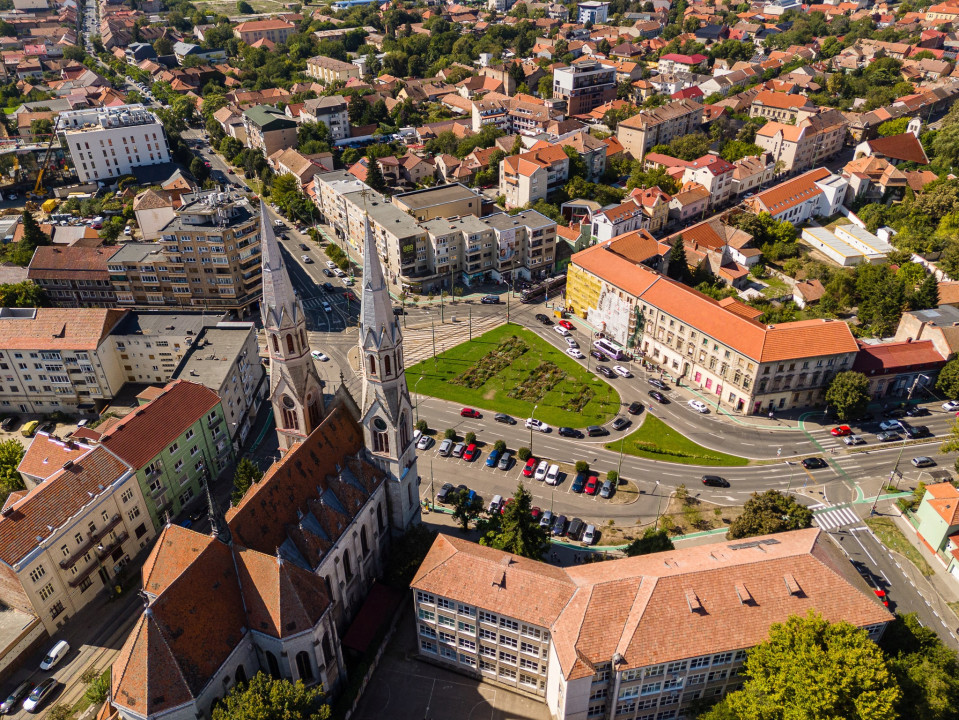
[
  {"x": 332, "y": 112},
  {"x": 108, "y": 142},
  {"x": 638, "y": 638}
]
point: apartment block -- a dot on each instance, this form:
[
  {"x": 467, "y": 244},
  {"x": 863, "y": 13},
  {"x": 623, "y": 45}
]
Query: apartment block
[
  {"x": 659, "y": 126},
  {"x": 328, "y": 70},
  {"x": 531, "y": 176},
  {"x": 74, "y": 275},
  {"x": 781, "y": 107},
  {"x": 57, "y": 359},
  {"x": 275, "y": 30},
  {"x": 593, "y": 12},
  {"x": 331, "y": 111},
  {"x": 67, "y": 538},
  {"x": 175, "y": 441},
  {"x": 109, "y": 142},
  {"x": 714, "y": 174},
  {"x": 525, "y": 245},
  {"x": 268, "y": 129},
  {"x": 208, "y": 257},
  {"x": 584, "y": 85},
  {"x": 795, "y": 148},
  {"x": 442, "y": 201},
  {"x": 591, "y": 642}
]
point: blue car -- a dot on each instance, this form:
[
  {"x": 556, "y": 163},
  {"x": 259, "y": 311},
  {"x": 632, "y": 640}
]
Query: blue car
[
  {"x": 579, "y": 483},
  {"x": 492, "y": 458}
]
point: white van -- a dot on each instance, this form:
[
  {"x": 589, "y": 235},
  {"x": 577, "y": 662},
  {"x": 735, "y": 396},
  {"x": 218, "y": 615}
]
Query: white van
[
  {"x": 56, "y": 654},
  {"x": 494, "y": 504}
]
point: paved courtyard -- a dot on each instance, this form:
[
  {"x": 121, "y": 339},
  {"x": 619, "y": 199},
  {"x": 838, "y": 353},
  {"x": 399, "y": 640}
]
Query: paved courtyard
[{"x": 403, "y": 688}]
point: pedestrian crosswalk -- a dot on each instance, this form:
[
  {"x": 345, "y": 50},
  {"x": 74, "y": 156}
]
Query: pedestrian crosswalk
[
  {"x": 831, "y": 517},
  {"x": 419, "y": 342}
]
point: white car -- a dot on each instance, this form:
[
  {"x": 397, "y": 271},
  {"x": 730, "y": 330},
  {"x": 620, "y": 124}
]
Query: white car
[
  {"x": 538, "y": 425},
  {"x": 330, "y": 264},
  {"x": 573, "y": 352},
  {"x": 317, "y": 355},
  {"x": 561, "y": 330},
  {"x": 621, "y": 371},
  {"x": 572, "y": 343},
  {"x": 327, "y": 307},
  {"x": 698, "y": 406},
  {"x": 541, "y": 470},
  {"x": 424, "y": 443},
  {"x": 417, "y": 434},
  {"x": 854, "y": 440},
  {"x": 552, "y": 475},
  {"x": 890, "y": 425},
  {"x": 951, "y": 406}
]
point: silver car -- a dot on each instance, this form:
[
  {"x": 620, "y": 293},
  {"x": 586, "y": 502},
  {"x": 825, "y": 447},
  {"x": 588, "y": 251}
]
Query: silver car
[
  {"x": 458, "y": 449},
  {"x": 446, "y": 447}
]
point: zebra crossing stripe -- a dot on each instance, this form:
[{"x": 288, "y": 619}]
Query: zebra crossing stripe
[{"x": 835, "y": 518}]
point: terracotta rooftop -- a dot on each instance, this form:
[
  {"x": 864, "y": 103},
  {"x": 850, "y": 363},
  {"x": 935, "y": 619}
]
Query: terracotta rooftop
[
  {"x": 59, "y": 329},
  {"x": 897, "y": 357},
  {"x": 782, "y": 101},
  {"x": 905, "y": 147},
  {"x": 46, "y": 455},
  {"x": 786, "y": 195}
]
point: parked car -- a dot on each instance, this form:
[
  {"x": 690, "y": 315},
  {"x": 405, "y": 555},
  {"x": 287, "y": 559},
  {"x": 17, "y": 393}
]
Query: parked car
[
  {"x": 446, "y": 447},
  {"x": 915, "y": 431},
  {"x": 635, "y": 408},
  {"x": 505, "y": 505},
  {"x": 8, "y": 423},
  {"x": 424, "y": 443},
  {"x": 12, "y": 703},
  {"x": 598, "y": 355},
  {"x": 658, "y": 396},
  {"x": 39, "y": 695},
  {"x": 890, "y": 425},
  {"x": 552, "y": 475},
  {"x": 699, "y": 406},
  {"x": 574, "y": 353},
  {"x": 579, "y": 482},
  {"x": 559, "y": 526},
  {"x": 607, "y": 490},
  {"x": 541, "y": 470},
  {"x": 317, "y": 355},
  {"x": 715, "y": 481},
  {"x": 327, "y": 272},
  {"x": 492, "y": 458},
  {"x": 561, "y": 330},
  {"x": 923, "y": 461},
  {"x": 814, "y": 463},
  {"x": 854, "y": 440},
  {"x": 504, "y": 418},
  {"x": 546, "y": 521},
  {"x": 658, "y": 384},
  {"x": 596, "y": 431},
  {"x": 841, "y": 431},
  {"x": 330, "y": 264},
  {"x": 490, "y": 300},
  {"x": 328, "y": 287},
  {"x": 470, "y": 413},
  {"x": 494, "y": 504},
  {"x": 917, "y": 411},
  {"x": 459, "y": 449},
  {"x": 471, "y": 452},
  {"x": 535, "y": 513},
  {"x": 575, "y": 529},
  {"x": 620, "y": 423},
  {"x": 505, "y": 461},
  {"x": 590, "y": 535},
  {"x": 605, "y": 371},
  {"x": 592, "y": 485},
  {"x": 622, "y": 371},
  {"x": 538, "y": 425},
  {"x": 571, "y": 342},
  {"x": 530, "y": 467},
  {"x": 888, "y": 436},
  {"x": 445, "y": 494},
  {"x": 567, "y": 324}
]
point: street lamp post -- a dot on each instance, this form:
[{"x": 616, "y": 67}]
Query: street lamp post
[
  {"x": 416, "y": 407},
  {"x": 658, "y": 504},
  {"x": 531, "y": 416}
]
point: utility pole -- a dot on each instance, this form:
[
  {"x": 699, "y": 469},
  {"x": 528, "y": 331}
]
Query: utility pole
[
  {"x": 433, "y": 328},
  {"x": 531, "y": 416},
  {"x": 471, "y": 322},
  {"x": 895, "y": 468}
]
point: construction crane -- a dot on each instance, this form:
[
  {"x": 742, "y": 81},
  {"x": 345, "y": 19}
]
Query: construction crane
[{"x": 38, "y": 192}]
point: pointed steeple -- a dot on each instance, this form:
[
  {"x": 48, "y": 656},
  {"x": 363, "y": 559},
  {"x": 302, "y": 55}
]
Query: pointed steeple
[
  {"x": 278, "y": 294},
  {"x": 377, "y": 320}
]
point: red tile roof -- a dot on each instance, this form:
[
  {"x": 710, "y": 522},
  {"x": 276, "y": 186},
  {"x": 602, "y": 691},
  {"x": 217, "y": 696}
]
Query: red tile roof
[
  {"x": 787, "y": 195},
  {"x": 905, "y": 147},
  {"x": 75, "y": 262},
  {"x": 897, "y": 357},
  {"x": 46, "y": 455},
  {"x": 59, "y": 329},
  {"x": 144, "y": 433}
]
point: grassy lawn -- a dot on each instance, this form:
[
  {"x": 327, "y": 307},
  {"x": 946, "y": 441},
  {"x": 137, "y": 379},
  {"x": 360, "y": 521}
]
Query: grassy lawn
[
  {"x": 892, "y": 537},
  {"x": 776, "y": 287},
  {"x": 83, "y": 703},
  {"x": 566, "y": 382},
  {"x": 657, "y": 441}
]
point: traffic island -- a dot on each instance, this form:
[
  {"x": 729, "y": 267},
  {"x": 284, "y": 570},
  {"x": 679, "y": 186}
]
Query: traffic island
[{"x": 655, "y": 440}]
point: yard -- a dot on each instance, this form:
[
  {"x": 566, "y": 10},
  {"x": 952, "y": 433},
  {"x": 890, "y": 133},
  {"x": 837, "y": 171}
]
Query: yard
[
  {"x": 656, "y": 440},
  {"x": 510, "y": 369}
]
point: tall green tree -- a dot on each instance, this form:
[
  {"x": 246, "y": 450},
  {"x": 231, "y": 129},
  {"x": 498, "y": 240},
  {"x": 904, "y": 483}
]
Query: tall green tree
[
  {"x": 926, "y": 295},
  {"x": 926, "y": 670},
  {"x": 848, "y": 394},
  {"x": 466, "y": 510},
  {"x": 245, "y": 476},
  {"x": 374, "y": 176},
  {"x": 652, "y": 541},
  {"x": 22, "y": 295},
  {"x": 33, "y": 236},
  {"x": 11, "y": 453},
  {"x": 948, "y": 380},
  {"x": 678, "y": 268},
  {"x": 811, "y": 669},
  {"x": 519, "y": 533},
  {"x": 264, "y": 698},
  {"x": 767, "y": 513}
]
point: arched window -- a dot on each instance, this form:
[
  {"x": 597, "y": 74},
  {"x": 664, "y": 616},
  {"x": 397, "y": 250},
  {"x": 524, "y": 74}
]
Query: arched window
[
  {"x": 304, "y": 668},
  {"x": 302, "y": 337},
  {"x": 386, "y": 365},
  {"x": 347, "y": 565},
  {"x": 290, "y": 420},
  {"x": 276, "y": 344},
  {"x": 372, "y": 364},
  {"x": 272, "y": 666},
  {"x": 379, "y": 517},
  {"x": 313, "y": 408},
  {"x": 404, "y": 432},
  {"x": 327, "y": 650},
  {"x": 364, "y": 543},
  {"x": 289, "y": 343},
  {"x": 240, "y": 676}
]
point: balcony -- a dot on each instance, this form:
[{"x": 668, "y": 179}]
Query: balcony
[{"x": 92, "y": 540}]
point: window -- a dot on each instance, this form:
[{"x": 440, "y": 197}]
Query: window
[
  {"x": 488, "y": 651},
  {"x": 529, "y": 649},
  {"x": 428, "y": 646},
  {"x": 37, "y": 573},
  {"x": 427, "y": 631},
  {"x": 507, "y": 657},
  {"x": 651, "y": 688},
  {"x": 444, "y": 603},
  {"x": 173, "y": 448},
  {"x": 723, "y": 658},
  {"x": 487, "y": 666},
  {"x": 448, "y": 653},
  {"x": 533, "y": 632},
  {"x": 467, "y": 644},
  {"x": 467, "y": 660},
  {"x": 466, "y": 627},
  {"x": 134, "y": 513},
  {"x": 46, "y": 591},
  {"x": 466, "y": 610},
  {"x": 448, "y": 638},
  {"x": 445, "y": 621},
  {"x": 189, "y": 434},
  {"x": 127, "y": 495},
  {"x": 56, "y": 609},
  {"x": 528, "y": 664},
  {"x": 676, "y": 667},
  {"x": 87, "y": 582},
  {"x": 698, "y": 663},
  {"x": 487, "y": 617},
  {"x": 507, "y": 673},
  {"x": 424, "y": 597},
  {"x": 508, "y": 624},
  {"x": 528, "y": 680},
  {"x": 507, "y": 641},
  {"x": 426, "y": 615}
]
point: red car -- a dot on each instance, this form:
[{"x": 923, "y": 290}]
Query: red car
[
  {"x": 530, "y": 467},
  {"x": 592, "y": 485},
  {"x": 566, "y": 324},
  {"x": 350, "y": 296},
  {"x": 470, "y": 412},
  {"x": 502, "y": 510},
  {"x": 471, "y": 452},
  {"x": 535, "y": 512},
  {"x": 881, "y": 594},
  {"x": 841, "y": 431}
]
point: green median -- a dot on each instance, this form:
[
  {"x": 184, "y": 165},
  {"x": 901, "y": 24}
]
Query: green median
[{"x": 657, "y": 441}]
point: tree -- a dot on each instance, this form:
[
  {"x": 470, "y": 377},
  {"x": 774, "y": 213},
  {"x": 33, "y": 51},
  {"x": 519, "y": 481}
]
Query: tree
[
  {"x": 811, "y": 668},
  {"x": 926, "y": 670},
  {"x": 577, "y": 166},
  {"x": 33, "y": 236},
  {"x": 11, "y": 453},
  {"x": 244, "y": 8},
  {"x": 948, "y": 381},
  {"x": 678, "y": 267},
  {"x": 652, "y": 541},
  {"x": 374, "y": 176},
  {"x": 893, "y": 127},
  {"x": 22, "y": 295},
  {"x": 926, "y": 295},
  {"x": 769, "y": 512},
  {"x": 519, "y": 533},
  {"x": 245, "y": 476},
  {"x": 200, "y": 171},
  {"x": 264, "y": 698},
  {"x": 545, "y": 86},
  {"x": 466, "y": 510},
  {"x": 848, "y": 394}
]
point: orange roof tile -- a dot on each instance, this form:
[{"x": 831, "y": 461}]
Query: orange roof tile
[
  {"x": 59, "y": 329},
  {"x": 46, "y": 455}
]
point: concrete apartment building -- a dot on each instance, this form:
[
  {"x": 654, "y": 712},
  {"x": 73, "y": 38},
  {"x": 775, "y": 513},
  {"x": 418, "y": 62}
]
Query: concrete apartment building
[
  {"x": 109, "y": 142},
  {"x": 659, "y": 126},
  {"x": 151, "y": 345},
  {"x": 781, "y": 107},
  {"x": 795, "y": 148},
  {"x": 57, "y": 359},
  {"x": 814, "y": 193},
  {"x": 719, "y": 347},
  {"x": 268, "y": 129},
  {"x": 74, "y": 275},
  {"x": 531, "y": 176},
  {"x": 714, "y": 174},
  {"x": 176, "y": 440},
  {"x": 593, "y": 12},
  {"x": 525, "y": 245},
  {"x": 328, "y": 70},
  {"x": 585, "y": 85},
  {"x": 442, "y": 201},
  {"x": 67, "y": 538},
  {"x": 275, "y": 30},
  {"x": 207, "y": 257},
  {"x": 591, "y": 641},
  {"x": 331, "y": 111}
]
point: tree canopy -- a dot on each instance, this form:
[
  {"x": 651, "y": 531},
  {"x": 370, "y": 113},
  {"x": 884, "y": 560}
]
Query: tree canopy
[
  {"x": 518, "y": 532},
  {"x": 767, "y": 513},
  {"x": 264, "y": 698},
  {"x": 11, "y": 453},
  {"x": 652, "y": 541},
  {"x": 848, "y": 394},
  {"x": 245, "y": 476}
]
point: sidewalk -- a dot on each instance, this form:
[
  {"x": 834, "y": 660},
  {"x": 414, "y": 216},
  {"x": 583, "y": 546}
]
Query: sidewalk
[{"x": 946, "y": 586}]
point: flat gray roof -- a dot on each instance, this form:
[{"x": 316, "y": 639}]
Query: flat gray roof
[
  {"x": 136, "y": 252},
  {"x": 428, "y": 197},
  {"x": 165, "y": 323},
  {"x": 210, "y": 364}
]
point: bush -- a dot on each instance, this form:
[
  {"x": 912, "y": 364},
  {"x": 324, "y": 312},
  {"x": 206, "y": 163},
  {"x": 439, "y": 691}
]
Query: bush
[
  {"x": 450, "y": 434},
  {"x": 499, "y": 446},
  {"x": 582, "y": 466},
  {"x": 470, "y": 437},
  {"x": 524, "y": 454},
  {"x": 422, "y": 426},
  {"x": 612, "y": 476},
  {"x": 97, "y": 690}
]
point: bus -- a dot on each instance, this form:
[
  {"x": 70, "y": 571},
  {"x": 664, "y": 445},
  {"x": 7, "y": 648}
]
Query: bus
[
  {"x": 541, "y": 290},
  {"x": 605, "y": 346}
]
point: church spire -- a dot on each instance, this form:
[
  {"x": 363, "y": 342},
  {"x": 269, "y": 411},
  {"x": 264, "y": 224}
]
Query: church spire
[
  {"x": 377, "y": 321},
  {"x": 278, "y": 294}
]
